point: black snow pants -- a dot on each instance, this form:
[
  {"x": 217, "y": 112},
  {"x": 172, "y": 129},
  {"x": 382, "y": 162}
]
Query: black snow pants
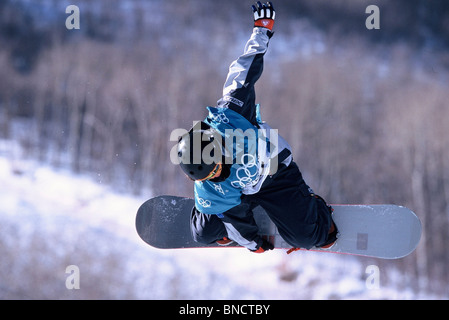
[{"x": 302, "y": 219}]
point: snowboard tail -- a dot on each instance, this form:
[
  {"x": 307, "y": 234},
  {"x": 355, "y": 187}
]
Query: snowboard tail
[{"x": 381, "y": 231}]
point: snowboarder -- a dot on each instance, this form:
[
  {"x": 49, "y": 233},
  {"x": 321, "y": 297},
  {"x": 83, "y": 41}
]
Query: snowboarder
[{"x": 232, "y": 178}]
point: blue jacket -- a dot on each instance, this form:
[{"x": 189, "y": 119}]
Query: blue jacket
[{"x": 218, "y": 197}]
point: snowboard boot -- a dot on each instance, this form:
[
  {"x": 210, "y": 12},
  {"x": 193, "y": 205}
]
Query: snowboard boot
[{"x": 225, "y": 242}]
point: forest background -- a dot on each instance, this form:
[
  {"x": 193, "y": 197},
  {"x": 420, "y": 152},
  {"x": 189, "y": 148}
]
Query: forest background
[{"x": 365, "y": 111}]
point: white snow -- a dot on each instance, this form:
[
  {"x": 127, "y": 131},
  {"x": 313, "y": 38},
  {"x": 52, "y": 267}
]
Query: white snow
[{"x": 51, "y": 219}]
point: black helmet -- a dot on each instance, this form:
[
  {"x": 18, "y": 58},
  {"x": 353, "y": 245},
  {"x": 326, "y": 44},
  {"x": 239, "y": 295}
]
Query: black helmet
[{"x": 199, "y": 151}]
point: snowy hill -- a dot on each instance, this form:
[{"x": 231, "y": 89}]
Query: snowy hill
[{"x": 51, "y": 219}]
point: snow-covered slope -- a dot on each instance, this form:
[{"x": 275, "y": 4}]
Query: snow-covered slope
[{"x": 51, "y": 219}]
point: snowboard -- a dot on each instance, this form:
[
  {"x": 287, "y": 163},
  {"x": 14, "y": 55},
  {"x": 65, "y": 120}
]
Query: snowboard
[{"x": 380, "y": 231}]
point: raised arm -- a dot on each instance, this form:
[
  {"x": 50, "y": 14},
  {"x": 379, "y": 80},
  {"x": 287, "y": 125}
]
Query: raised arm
[{"x": 238, "y": 90}]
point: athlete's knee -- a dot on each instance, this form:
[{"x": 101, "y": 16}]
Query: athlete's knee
[
  {"x": 305, "y": 236},
  {"x": 201, "y": 237},
  {"x": 302, "y": 241},
  {"x": 206, "y": 228},
  {"x": 203, "y": 234}
]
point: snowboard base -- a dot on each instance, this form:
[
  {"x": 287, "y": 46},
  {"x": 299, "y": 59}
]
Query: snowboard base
[{"x": 381, "y": 231}]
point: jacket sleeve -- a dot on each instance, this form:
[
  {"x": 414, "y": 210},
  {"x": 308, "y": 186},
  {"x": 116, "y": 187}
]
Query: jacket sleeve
[
  {"x": 241, "y": 226},
  {"x": 238, "y": 90}
]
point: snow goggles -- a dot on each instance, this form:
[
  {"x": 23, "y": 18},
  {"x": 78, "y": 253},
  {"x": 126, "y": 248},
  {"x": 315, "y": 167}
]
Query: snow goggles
[{"x": 216, "y": 171}]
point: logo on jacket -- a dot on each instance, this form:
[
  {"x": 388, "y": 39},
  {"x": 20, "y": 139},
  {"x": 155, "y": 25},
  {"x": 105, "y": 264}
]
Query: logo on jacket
[
  {"x": 219, "y": 117},
  {"x": 204, "y": 203},
  {"x": 233, "y": 100},
  {"x": 248, "y": 173},
  {"x": 218, "y": 188}
]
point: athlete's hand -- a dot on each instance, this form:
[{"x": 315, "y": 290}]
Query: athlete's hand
[{"x": 264, "y": 15}]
